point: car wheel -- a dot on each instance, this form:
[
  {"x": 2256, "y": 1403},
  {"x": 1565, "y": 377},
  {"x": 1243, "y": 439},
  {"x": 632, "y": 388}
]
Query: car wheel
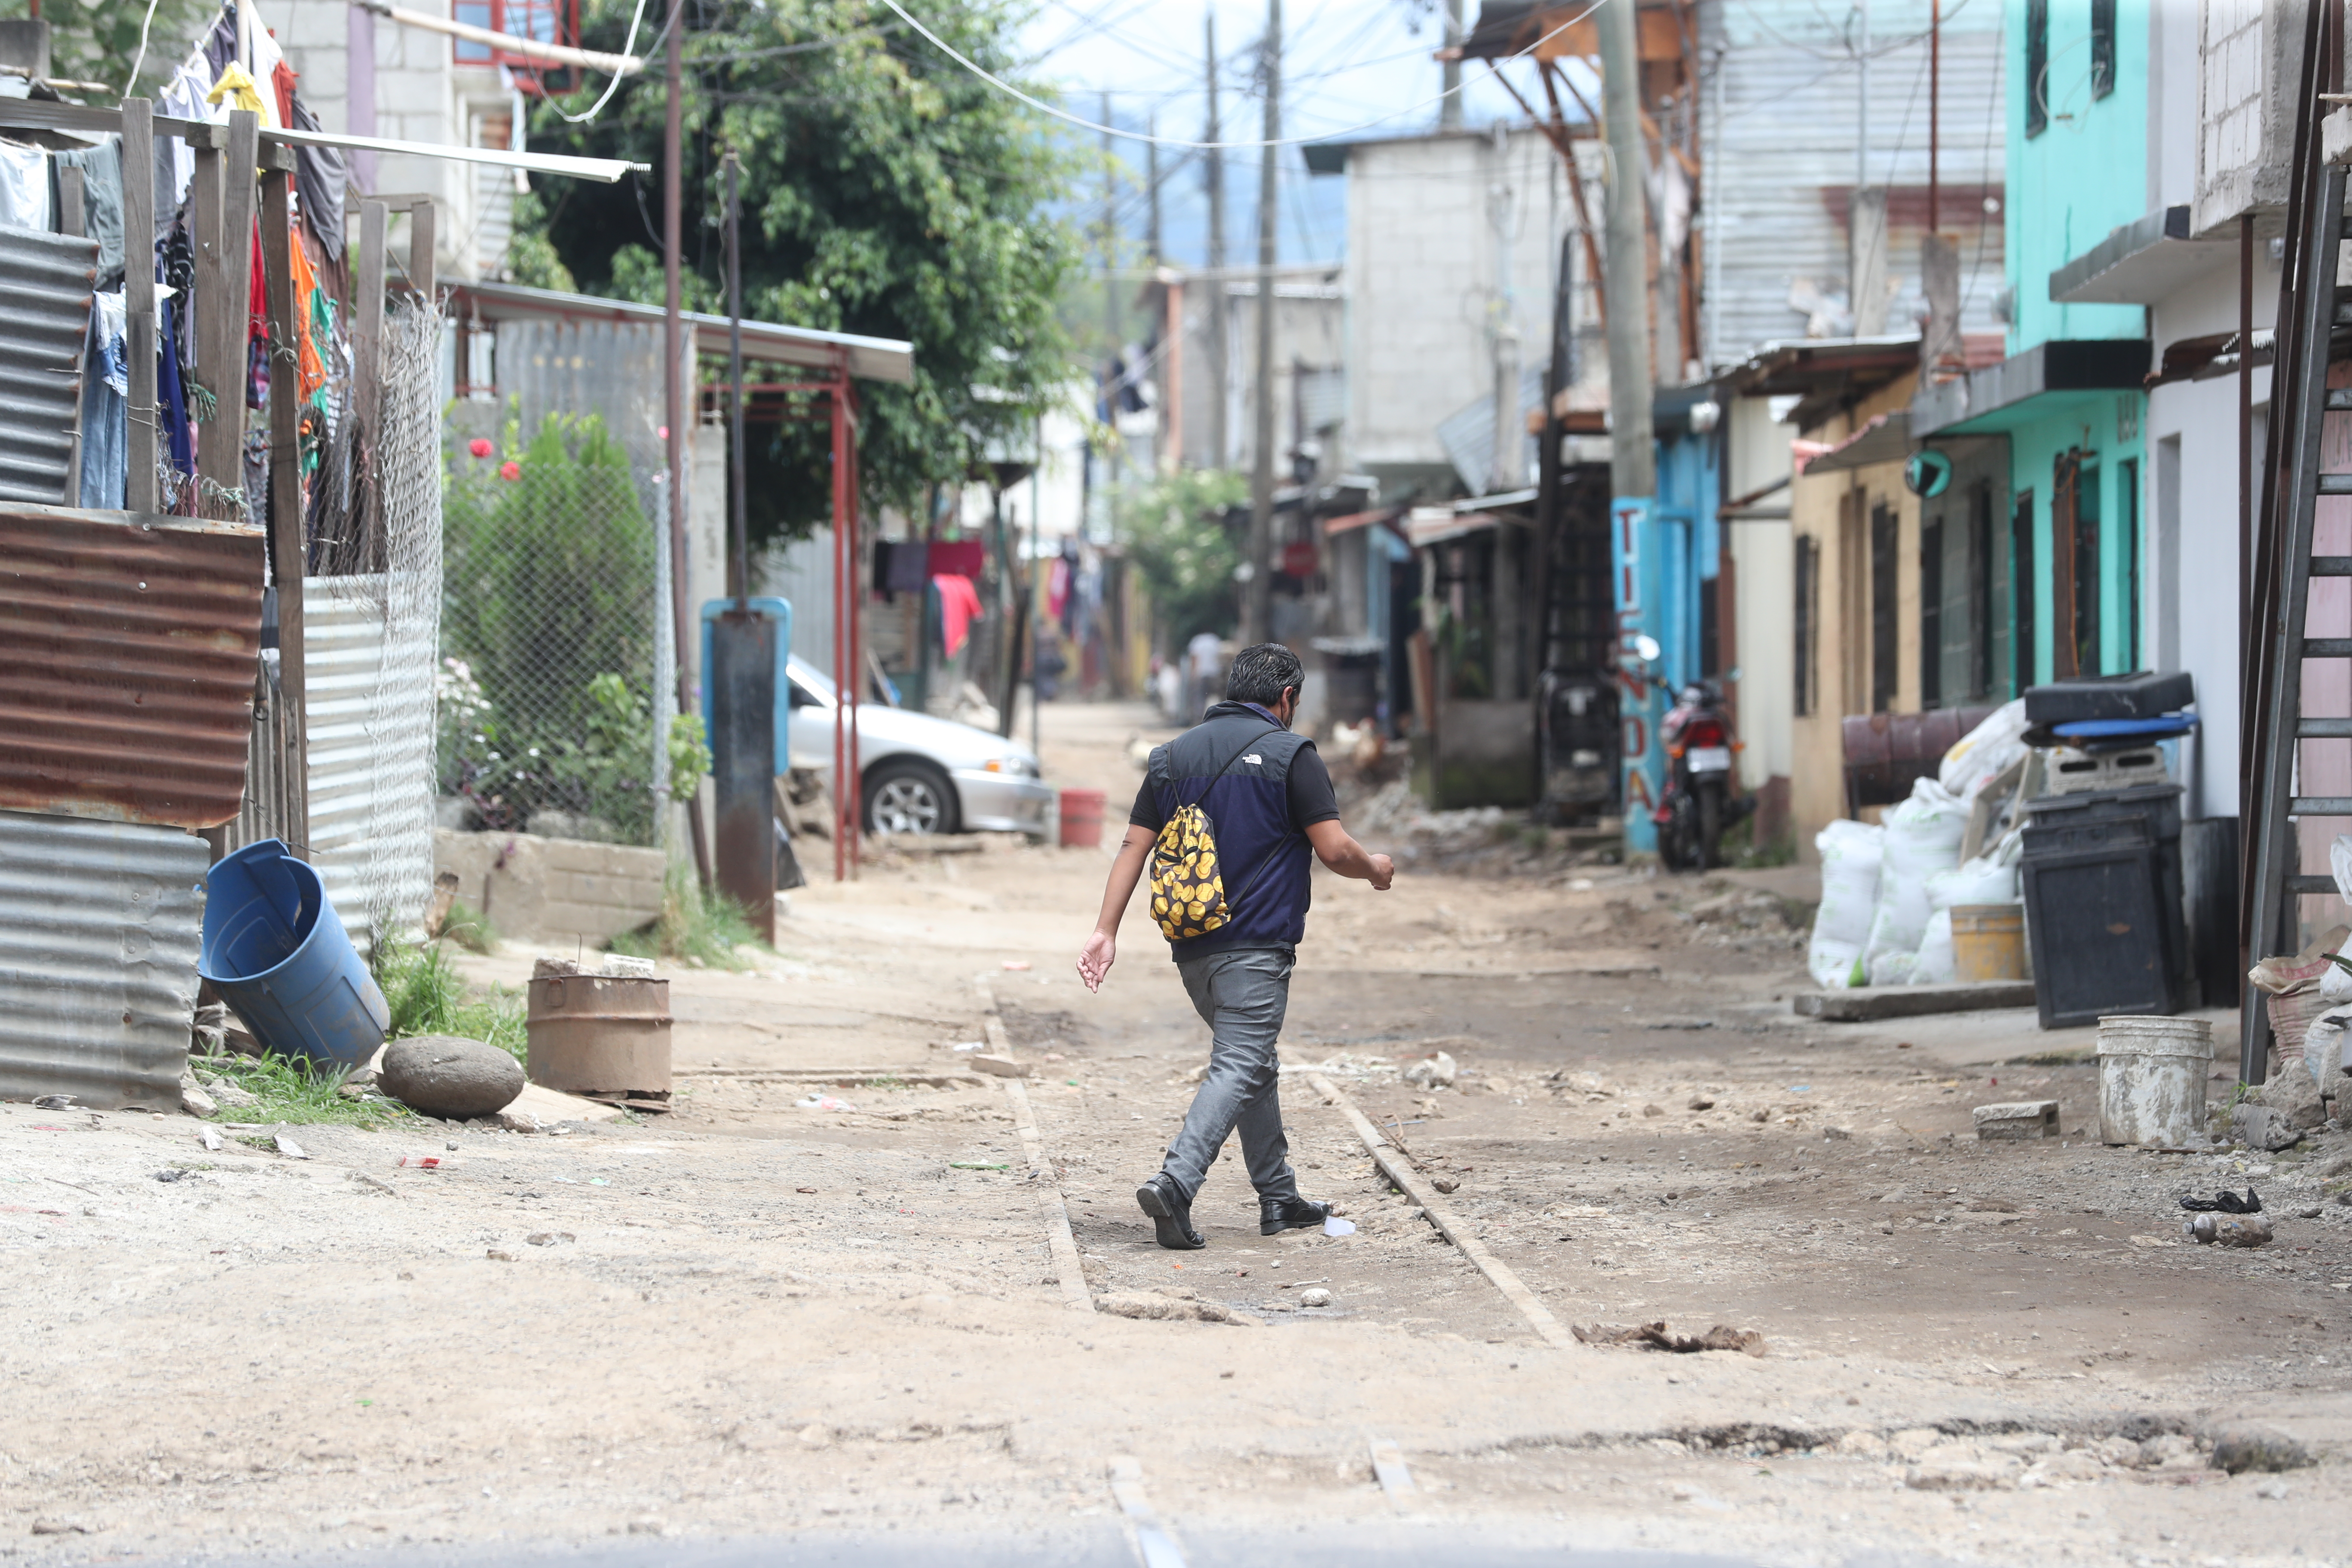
[{"x": 905, "y": 796}]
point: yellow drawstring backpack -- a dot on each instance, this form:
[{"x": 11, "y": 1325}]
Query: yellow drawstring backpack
[{"x": 1188, "y": 887}]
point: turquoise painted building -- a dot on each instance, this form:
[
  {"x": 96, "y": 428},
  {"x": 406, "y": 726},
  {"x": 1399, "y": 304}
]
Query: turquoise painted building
[{"x": 2067, "y": 401}]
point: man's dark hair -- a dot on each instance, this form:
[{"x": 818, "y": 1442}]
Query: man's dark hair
[{"x": 1261, "y": 671}]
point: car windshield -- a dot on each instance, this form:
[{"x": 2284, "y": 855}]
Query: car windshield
[{"x": 811, "y": 680}]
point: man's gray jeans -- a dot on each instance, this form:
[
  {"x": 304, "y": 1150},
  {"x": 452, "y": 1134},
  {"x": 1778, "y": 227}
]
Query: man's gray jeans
[{"x": 1241, "y": 995}]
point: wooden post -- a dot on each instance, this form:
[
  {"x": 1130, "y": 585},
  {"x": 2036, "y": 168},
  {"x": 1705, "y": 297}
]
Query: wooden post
[
  {"x": 420, "y": 253},
  {"x": 207, "y": 304},
  {"x": 286, "y": 542},
  {"x": 69, "y": 223},
  {"x": 139, "y": 333},
  {"x": 224, "y": 290},
  {"x": 367, "y": 317}
]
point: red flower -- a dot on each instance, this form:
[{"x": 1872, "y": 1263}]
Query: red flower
[
  {"x": 510, "y": 470},
  {"x": 480, "y": 446}
]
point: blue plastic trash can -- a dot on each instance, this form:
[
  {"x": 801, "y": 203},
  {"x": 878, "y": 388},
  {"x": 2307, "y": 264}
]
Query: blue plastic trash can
[{"x": 275, "y": 951}]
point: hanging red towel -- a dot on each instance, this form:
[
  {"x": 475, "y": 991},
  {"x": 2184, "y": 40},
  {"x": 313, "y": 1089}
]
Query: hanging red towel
[{"x": 958, "y": 607}]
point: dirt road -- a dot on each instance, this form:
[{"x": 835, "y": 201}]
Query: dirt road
[{"x": 755, "y": 1319}]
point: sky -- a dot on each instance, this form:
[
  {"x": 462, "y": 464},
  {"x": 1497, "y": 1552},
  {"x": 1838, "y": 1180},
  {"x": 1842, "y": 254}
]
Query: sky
[{"x": 1345, "y": 63}]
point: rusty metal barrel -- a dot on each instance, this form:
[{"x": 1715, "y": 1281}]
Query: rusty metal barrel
[{"x": 601, "y": 1036}]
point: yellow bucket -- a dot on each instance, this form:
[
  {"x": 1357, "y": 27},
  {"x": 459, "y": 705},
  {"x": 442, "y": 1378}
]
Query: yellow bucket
[{"x": 1988, "y": 941}]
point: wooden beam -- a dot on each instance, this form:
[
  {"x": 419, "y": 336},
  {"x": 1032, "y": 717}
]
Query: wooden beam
[
  {"x": 367, "y": 318},
  {"x": 285, "y": 514},
  {"x": 420, "y": 252},
  {"x": 215, "y": 329},
  {"x": 139, "y": 332},
  {"x": 36, "y": 114}
]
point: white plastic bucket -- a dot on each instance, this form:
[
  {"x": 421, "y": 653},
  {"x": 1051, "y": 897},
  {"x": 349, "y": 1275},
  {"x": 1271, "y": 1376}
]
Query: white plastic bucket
[{"x": 2152, "y": 1080}]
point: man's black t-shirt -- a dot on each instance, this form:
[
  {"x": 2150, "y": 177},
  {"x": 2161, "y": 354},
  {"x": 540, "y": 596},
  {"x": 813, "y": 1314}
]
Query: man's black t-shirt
[{"x": 1312, "y": 798}]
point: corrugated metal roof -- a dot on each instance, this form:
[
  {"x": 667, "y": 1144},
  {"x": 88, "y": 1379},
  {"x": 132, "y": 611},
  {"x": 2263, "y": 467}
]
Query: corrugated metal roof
[
  {"x": 128, "y": 646},
  {"x": 365, "y": 825},
  {"x": 868, "y": 359},
  {"x": 47, "y": 281},
  {"x": 99, "y": 927}
]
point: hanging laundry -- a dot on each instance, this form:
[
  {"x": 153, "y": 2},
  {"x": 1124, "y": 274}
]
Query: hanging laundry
[
  {"x": 106, "y": 390},
  {"x": 958, "y": 607},
  {"x": 101, "y": 202},
  {"x": 219, "y": 48},
  {"x": 1057, "y": 587},
  {"x": 235, "y": 89},
  {"x": 25, "y": 188},
  {"x": 958, "y": 558},
  {"x": 321, "y": 177},
  {"x": 172, "y": 393},
  {"x": 310, "y": 370}
]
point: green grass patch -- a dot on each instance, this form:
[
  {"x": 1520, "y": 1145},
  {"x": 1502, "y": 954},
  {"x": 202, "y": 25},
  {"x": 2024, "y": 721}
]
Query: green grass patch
[
  {"x": 426, "y": 995},
  {"x": 469, "y": 929},
  {"x": 694, "y": 925},
  {"x": 291, "y": 1092}
]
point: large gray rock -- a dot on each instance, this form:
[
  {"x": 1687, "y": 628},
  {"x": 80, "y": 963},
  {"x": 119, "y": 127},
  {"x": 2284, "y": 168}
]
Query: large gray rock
[
  {"x": 449, "y": 1077},
  {"x": 2293, "y": 1093},
  {"x": 2259, "y": 1126}
]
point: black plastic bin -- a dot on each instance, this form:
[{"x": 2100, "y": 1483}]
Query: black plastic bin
[{"x": 2103, "y": 904}]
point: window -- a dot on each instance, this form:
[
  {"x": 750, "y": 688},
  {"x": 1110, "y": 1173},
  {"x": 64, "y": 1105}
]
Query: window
[
  {"x": 2037, "y": 66},
  {"x": 546, "y": 21},
  {"x": 2103, "y": 47},
  {"x": 1884, "y": 635},
  {"x": 1807, "y": 616},
  {"x": 2127, "y": 539},
  {"x": 2021, "y": 592},
  {"x": 1931, "y": 612}
]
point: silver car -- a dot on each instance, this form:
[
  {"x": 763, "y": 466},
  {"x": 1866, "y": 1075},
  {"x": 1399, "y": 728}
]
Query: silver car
[{"x": 922, "y": 774}]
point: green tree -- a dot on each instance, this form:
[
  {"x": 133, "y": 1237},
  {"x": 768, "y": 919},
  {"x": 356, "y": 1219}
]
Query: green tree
[
  {"x": 885, "y": 191},
  {"x": 96, "y": 40},
  {"x": 1184, "y": 534},
  {"x": 548, "y": 576}
]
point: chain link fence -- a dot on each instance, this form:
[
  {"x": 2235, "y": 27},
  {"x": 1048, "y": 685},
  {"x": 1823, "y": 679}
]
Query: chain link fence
[{"x": 550, "y": 629}]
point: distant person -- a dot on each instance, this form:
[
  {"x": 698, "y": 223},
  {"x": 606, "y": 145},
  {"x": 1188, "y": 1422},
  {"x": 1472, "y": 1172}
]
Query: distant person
[
  {"x": 1233, "y": 910},
  {"x": 1201, "y": 656}
]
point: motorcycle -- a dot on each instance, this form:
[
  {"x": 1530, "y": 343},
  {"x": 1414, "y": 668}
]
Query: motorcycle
[{"x": 1701, "y": 799}]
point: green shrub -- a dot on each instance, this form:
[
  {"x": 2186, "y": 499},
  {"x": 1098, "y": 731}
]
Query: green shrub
[{"x": 693, "y": 924}]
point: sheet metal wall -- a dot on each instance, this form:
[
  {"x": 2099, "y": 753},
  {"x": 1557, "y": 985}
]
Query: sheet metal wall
[
  {"x": 100, "y": 926},
  {"x": 370, "y": 830},
  {"x": 47, "y": 281},
  {"x": 1778, "y": 131},
  {"x": 128, "y": 648}
]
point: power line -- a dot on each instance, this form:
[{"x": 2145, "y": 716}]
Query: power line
[{"x": 1084, "y": 124}]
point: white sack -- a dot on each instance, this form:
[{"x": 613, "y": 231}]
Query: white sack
[
  {"x": 1981, "y": 753},
  {"x": 1935, "y": 964},
  {"x": 1923, "y": 837},
  {"x": 1850, "y": 855}
]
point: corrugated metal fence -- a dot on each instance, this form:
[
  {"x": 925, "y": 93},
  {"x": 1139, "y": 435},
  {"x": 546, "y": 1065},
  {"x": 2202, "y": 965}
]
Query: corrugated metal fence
[
  {"x": 371, "y": 765},
  {"x": 47, "y": 281},
  {"x": 99, "y": 925}
]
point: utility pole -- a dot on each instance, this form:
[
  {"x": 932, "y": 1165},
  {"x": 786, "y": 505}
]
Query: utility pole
[
  {"x": 1632, "y": 445},
  {"x": 1508, "y": 469},
  {"x": 1255, "y": 622},
  {"x": 1112, "y": 378},
  {"x": 1866, "y": 212},
  {"x": 1220, "y": 360},
  {"x": 673, "y": 380},
  {"x": 1449, "y": 111}
]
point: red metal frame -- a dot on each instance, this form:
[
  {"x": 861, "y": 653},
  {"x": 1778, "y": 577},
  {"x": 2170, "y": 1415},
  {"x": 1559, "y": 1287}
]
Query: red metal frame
[
  {"x": 546, "y": 21},
  {"x": 848, "y": 641}
]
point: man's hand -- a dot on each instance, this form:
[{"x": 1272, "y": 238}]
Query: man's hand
[
  {"x": 1344, "y": 856},
  {"x": 1095, "y": 959}
]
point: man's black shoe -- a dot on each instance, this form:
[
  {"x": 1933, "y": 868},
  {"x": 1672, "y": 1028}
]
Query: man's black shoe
[
  {"x": 1171, "y": 1214},
  {"x": 1275, "y": 1216}
]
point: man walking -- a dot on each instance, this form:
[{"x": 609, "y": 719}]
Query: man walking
[{"x": 1264, "y": 798}]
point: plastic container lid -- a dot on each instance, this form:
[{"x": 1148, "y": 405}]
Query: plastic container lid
[{"x": 2154, "y": 1034}]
